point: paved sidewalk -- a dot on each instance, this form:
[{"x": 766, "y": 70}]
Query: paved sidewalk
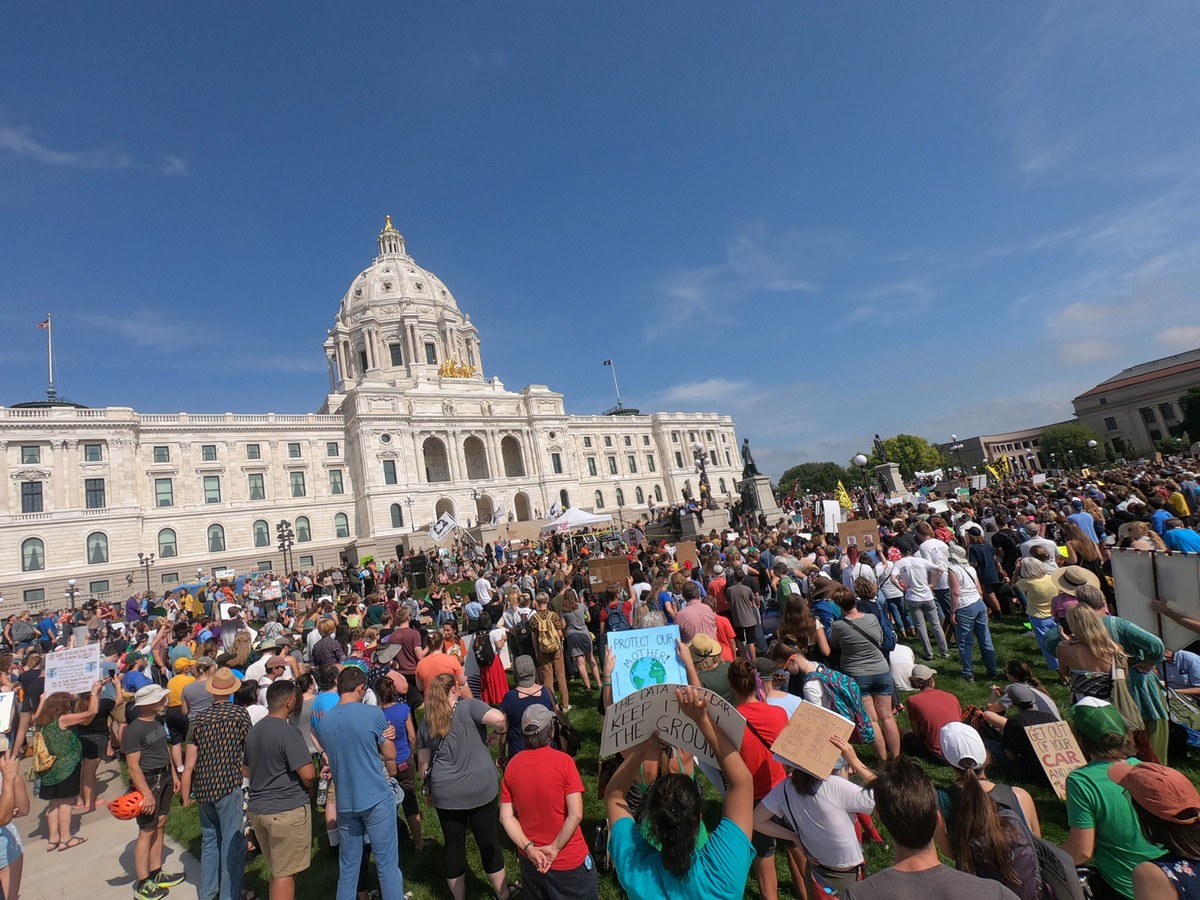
[{"x": 102, "y": 868}]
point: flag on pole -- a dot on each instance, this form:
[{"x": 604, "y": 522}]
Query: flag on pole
[
  {"x": 442, "y": 527},
  {"x": 995, "y": 472},
  {"x": 1005, "y": 465},
  {"x": 44, "y": 325},
  {"x": 555, "y": 511},
  {"x": 497, "y": 513},
  {"x": 843, "y": 497},
  {"x": 608, "y": 362}
]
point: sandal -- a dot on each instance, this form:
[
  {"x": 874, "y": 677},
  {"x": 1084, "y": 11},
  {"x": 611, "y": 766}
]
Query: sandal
[
  {"x": 72, "y": 843},
  {"x": 52, "y": 846}
]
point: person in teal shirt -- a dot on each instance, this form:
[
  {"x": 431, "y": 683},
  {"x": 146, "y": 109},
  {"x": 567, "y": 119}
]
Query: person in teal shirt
[
  {"x": 672, "y": 806},
  {"x": 1104, "y": 825}
]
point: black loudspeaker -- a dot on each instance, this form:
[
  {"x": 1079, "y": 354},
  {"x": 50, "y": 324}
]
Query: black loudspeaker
[
  {"x": 418, "y": 563},
  {"x": 418, "y": 581}
]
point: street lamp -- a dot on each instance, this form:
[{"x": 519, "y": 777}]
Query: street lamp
[
  {"x": 1092, "y": 444},
  {"x": 199, "y": 574},
  {"x": 1052, "y": 463},
  {"x": 146, "y": 561},
  {"x": 408, "y": 501},
  {"x": 71, "y": 592},
  {"x": 1070, "y": 460},
  {"x": 702, "y": 467},
  {"x": 861, "y": 461},
  {"x": 958, "y": 448},
  {"x": 287, "y": 539}
]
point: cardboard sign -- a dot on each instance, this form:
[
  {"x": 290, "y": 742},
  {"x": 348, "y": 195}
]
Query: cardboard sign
[
  {"x": 1057, "y": 751},
  {"x": 863, "y": 534},
  {"x": 607, "y": 570},
  {"x": 645, "y": 657},
  {"x": 654, "y": 709},
  {"x": 804, "y": 741},
  {"x": 74, "y": 670},
  {"x": 272, "y": 591},
  {"x": 685, "y": 551}
]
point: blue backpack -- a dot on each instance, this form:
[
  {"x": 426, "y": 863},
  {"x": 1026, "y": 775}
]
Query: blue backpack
[
  {"x": 617, "y": 620},
  {"x": 843, "y": 697}
]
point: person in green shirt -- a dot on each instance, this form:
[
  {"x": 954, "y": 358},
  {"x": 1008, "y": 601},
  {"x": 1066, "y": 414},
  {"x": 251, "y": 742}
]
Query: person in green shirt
[{"x": 1104, "y": 825}]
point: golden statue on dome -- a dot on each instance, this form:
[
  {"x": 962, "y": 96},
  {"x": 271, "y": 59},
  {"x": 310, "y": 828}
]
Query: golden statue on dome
[{"x": 452, "y": 368}]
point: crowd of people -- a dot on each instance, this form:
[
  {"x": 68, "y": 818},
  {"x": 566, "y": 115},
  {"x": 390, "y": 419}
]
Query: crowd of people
[{"x": 340, "y": 710}]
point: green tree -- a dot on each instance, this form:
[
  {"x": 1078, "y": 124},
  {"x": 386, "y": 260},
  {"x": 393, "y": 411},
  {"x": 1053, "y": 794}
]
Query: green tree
[
  {"x": 1170, "y": 446},
  {"x": 814, "y": 478},
  {"x": 910, "y": 453},
  {"x": 1069, "y": 444},
  {"x": 1190, "y": 403}
]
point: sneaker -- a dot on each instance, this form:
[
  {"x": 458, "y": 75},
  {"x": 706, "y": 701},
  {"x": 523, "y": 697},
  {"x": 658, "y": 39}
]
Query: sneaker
[
  {"x": 148, "y": 890},
  {"x": 969, "y": 679},
  {"x": 168, "y": 879}
]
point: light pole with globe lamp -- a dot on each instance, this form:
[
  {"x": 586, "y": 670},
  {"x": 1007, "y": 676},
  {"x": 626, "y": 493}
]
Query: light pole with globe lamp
[
  {"x": 71, "y": 593},
  {"x": 1092, "y": 445},
  {"x": 958, "y": 448},
  {"x": 287, "y": 539},
  {"x": 146, "y": 561},
  {"x": 702, "y": 467},
  {"x": 861, "y": 461},
  {"x": 408, "y": 501}
]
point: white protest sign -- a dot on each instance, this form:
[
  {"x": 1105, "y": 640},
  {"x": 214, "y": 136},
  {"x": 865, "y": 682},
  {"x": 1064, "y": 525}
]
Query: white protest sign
[
  {"x": 831, "y": 513},
  {"x": 74, "y": 670},
  {"x": 225, "y": 573},
  {"x": 654, "y": 709},
  {"x": 273, "y": 591},
  {"x": 645, "y": 657},
  {"x": 7, "y": 708}
]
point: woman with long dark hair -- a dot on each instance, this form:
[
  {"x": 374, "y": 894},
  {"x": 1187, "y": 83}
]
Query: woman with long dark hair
[
  {"x": 579, "y": 639},
  {"x": 859, "y": 636},
  {"x": 60, "y": 783},
  {"x": 1168, "y": 809}
]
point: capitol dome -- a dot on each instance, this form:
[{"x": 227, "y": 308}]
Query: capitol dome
[{"x": 394, "y": 279}]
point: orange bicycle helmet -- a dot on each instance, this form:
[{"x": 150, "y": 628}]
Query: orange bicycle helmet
[{"x": 126, "y": 806}]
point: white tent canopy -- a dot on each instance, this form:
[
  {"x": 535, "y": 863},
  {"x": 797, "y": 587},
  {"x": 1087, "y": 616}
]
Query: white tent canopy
[{"x": 575, "y": 518}]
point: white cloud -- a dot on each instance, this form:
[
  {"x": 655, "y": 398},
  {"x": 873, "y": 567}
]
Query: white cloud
[
  {"x": 1088, "y": 350},
  {"x": 1180, "y": 337},
  {"x": 713, "y": 391},
  {"x": 19, "y": 142}
]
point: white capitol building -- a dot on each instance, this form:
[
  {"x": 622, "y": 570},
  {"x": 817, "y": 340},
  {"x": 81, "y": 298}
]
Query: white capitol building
[{"x": 411, "y": 428}]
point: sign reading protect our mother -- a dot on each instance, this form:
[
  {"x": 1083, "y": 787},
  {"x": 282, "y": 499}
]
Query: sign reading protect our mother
[{"x": 645, "y": 657}]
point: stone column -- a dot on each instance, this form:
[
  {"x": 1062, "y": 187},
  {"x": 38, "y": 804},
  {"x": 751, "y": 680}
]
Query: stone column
[
  {"x": 329, "y": 363},
  {"x": 61, "y": 474},
  {"x": 5, "y": 506}
]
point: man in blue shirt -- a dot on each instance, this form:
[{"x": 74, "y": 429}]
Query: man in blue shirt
[
  {"x": 135, "y": 672},
  {"x": 48, "y": 632},
  {"x": 1179, "y": 537},
  {"x": 1183, "y": 671},
  {"x": 1084, "y": 519},
  {"x": 1159, "y": 517},
  {"x": 356, "y": 737}
]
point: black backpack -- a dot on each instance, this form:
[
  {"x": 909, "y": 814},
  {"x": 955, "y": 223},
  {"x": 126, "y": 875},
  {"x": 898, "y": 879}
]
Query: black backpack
[
  {"x": 523, "y": 637},
  {"x": 485, "y": 654}
]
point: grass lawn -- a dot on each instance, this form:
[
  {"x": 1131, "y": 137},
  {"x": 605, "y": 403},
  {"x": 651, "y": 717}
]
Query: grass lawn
[{"x": 423, "y": 872}]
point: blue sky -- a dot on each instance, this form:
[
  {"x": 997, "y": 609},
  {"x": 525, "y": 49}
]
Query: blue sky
[{"x": 827, "y": 220}]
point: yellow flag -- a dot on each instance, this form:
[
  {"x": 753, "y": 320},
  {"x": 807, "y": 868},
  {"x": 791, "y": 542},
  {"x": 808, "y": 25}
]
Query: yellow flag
[
  {"x": 843, "y": 498},
  {"x": 995, "y": 472},
  {"x": 1005, "y": 466}
]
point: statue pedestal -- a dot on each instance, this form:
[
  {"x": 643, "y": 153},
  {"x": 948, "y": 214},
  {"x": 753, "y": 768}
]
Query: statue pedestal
[
  {"x": 889, "y": 478},
  {"x": 690, "y": 529},
  {"x": 757, "y": 490}
]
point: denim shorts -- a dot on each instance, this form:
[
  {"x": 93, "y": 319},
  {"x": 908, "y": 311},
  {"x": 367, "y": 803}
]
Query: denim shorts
[{"x": 876, "y": 685}]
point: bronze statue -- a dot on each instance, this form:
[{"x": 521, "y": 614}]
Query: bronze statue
[
  {"x": 880, "y": 451},
  {"x": 749, "y": 469}
]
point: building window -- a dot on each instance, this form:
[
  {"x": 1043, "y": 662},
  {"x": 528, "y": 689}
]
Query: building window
[
  {"x": 303, "y": 530},
  {"x": 253, "y": 451},
  {"x": 97, "y": 548},
  {"x": 306, "y": 562},
  {"x": 34, "y": 595},
  {"x": 1104, "y": 401},
  {"x": 724, "y": 438},
  {"x": 332, "y": 448},
  {"x": 397, "y": 516},
  {"x": 1155, "y": 434},
  {"x": 294, "y": 450},
  {"x": 1167, "y": 411},
  {"x": 599, "y": 500},
  {"x": 607, "y": 441},
  {"x": 645, "y": 440},
  {"x": 674, "y": 437},
  {"x": 389, "y": 471},
  {"x": 632, "y": 461},
  {"x": 297, "y": 481},
  {"x": 162, "y": 454},
  {"x": 431, "y": 354},
  {"x": 612, "y": 465},
  {"x": 362, "y": 360},
  {"x": 33, "y": 555},
  {"x": 650, "y": 462},
  {"x": 98, "y": 587},
  {"x": 587, "y": 442},
  {"x": 93, "y": 490},
  {"x": 1110, "y": 423},
  {"x": 167, "y": 546},
  {"x": 556, "y": 463},
  {"x": 341, "y": 525},
  {"x": 591, "y": 464},
  {"x": 212, "y": 488},
  {"x": 264, "y": 565},
  {"x": 620, "y": 497},
  {"x": 262, "y": 534},
  {"x": 628, "y": 441},
  {"x": 93, "y": 453},
  {"x": 712, "y": 455},
  {"x": 639, "y": 496},
  {"x": 164, "y": 492},
  {"x": 658, "y": 493},
  {"x": 208, "y": 452},
  {"x": 258, "y": 490},
  {"x": 31, "y": 455},
  {"x": 721, "y": 486},
  {"x": 728, "y": 459},
  {"x": 397, "y": 354},
  {"x": 216, "y": 539},
  {"x": 1147, "y": 414},
  {"x": 678, "y": 460},
  {"x": 31, "y": 496},
  {"x": 691, "y": 437},
  {"x": 169, "y": 578},
  {"x": 335, "y": 482}
]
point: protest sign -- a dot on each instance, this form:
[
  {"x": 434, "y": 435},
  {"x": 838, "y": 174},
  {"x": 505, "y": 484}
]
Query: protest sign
[
  {"x": 831, "y": 515},
  {"x": 74, "y": 670},
  {"x": 861, "y": 534},
  {"x": 963, "y": 494},
  {"x": 685, "y": 551},
  {"x": 272, "y": 591},
  {"x": 7, "y": 709},
  {"x": 224, "y": 573},
  {"x": 645, "y": 657},
  {"x": 979, "y": 482},
  {"x": 1057, "y": 751},
  {"x": 655, "y": 709},
  {"x": 1039, "y": 478},
  {"x": 804, "y": 741},
  {"x": 607, "y": 570}
]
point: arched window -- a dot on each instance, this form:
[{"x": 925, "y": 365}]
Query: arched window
[
  {"x": 341, "y": 526},
  {"x": 166, "y": 543},
  {"x": 216, "y": 539},
  {"x": 658, "y": 493},
  {"x": 97, "y": 548},
  {"x": 33, "y": 555},
  {"x": 639, "y": 496},
  {"x": 476, "y": 457},
  {"x": 514, "y": 463},
  {"x": 599, "y": 500},
  {"x": 397, "y": 516},
  {"x": 721, "y": 485},
  {"x": 303, "y": 530},
  {"x": 437, "y": 465},
  {"x": 620, "y": 497},
  {"x": 262, "y": 534},
  {"x": 564, "y": 499}
]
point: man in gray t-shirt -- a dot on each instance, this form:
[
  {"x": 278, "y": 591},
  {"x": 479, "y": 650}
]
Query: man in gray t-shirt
[{"x": 196, "y": 697}]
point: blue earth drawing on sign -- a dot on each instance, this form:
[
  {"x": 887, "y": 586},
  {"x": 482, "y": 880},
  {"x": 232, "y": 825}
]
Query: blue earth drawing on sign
[{"x": 647, "y": 671}]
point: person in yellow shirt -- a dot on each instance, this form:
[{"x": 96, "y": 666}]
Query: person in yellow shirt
[
  {"x": 176, "y": 721},
  {"x": 1177, "y": 502}
]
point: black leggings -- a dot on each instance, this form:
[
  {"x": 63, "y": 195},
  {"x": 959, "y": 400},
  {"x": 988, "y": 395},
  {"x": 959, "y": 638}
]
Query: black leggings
[{"x": 484, "y": 823}]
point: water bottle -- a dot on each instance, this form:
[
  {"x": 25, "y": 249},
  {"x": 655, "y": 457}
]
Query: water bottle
[{"x": 322, "y": 792}]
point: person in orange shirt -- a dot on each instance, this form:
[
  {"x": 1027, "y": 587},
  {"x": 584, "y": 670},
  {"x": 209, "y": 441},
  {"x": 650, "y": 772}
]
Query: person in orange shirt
[{"x": 438, "y": 662}]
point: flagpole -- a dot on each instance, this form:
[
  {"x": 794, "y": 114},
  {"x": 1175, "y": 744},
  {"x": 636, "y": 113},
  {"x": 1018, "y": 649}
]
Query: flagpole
[
  {"x": 51, "y": 393},
  {"x": 612, "y": 365}
]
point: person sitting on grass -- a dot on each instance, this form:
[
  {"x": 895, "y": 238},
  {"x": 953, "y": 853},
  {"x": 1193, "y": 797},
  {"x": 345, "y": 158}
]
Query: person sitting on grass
[{"x": 1168, "y": 808}]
